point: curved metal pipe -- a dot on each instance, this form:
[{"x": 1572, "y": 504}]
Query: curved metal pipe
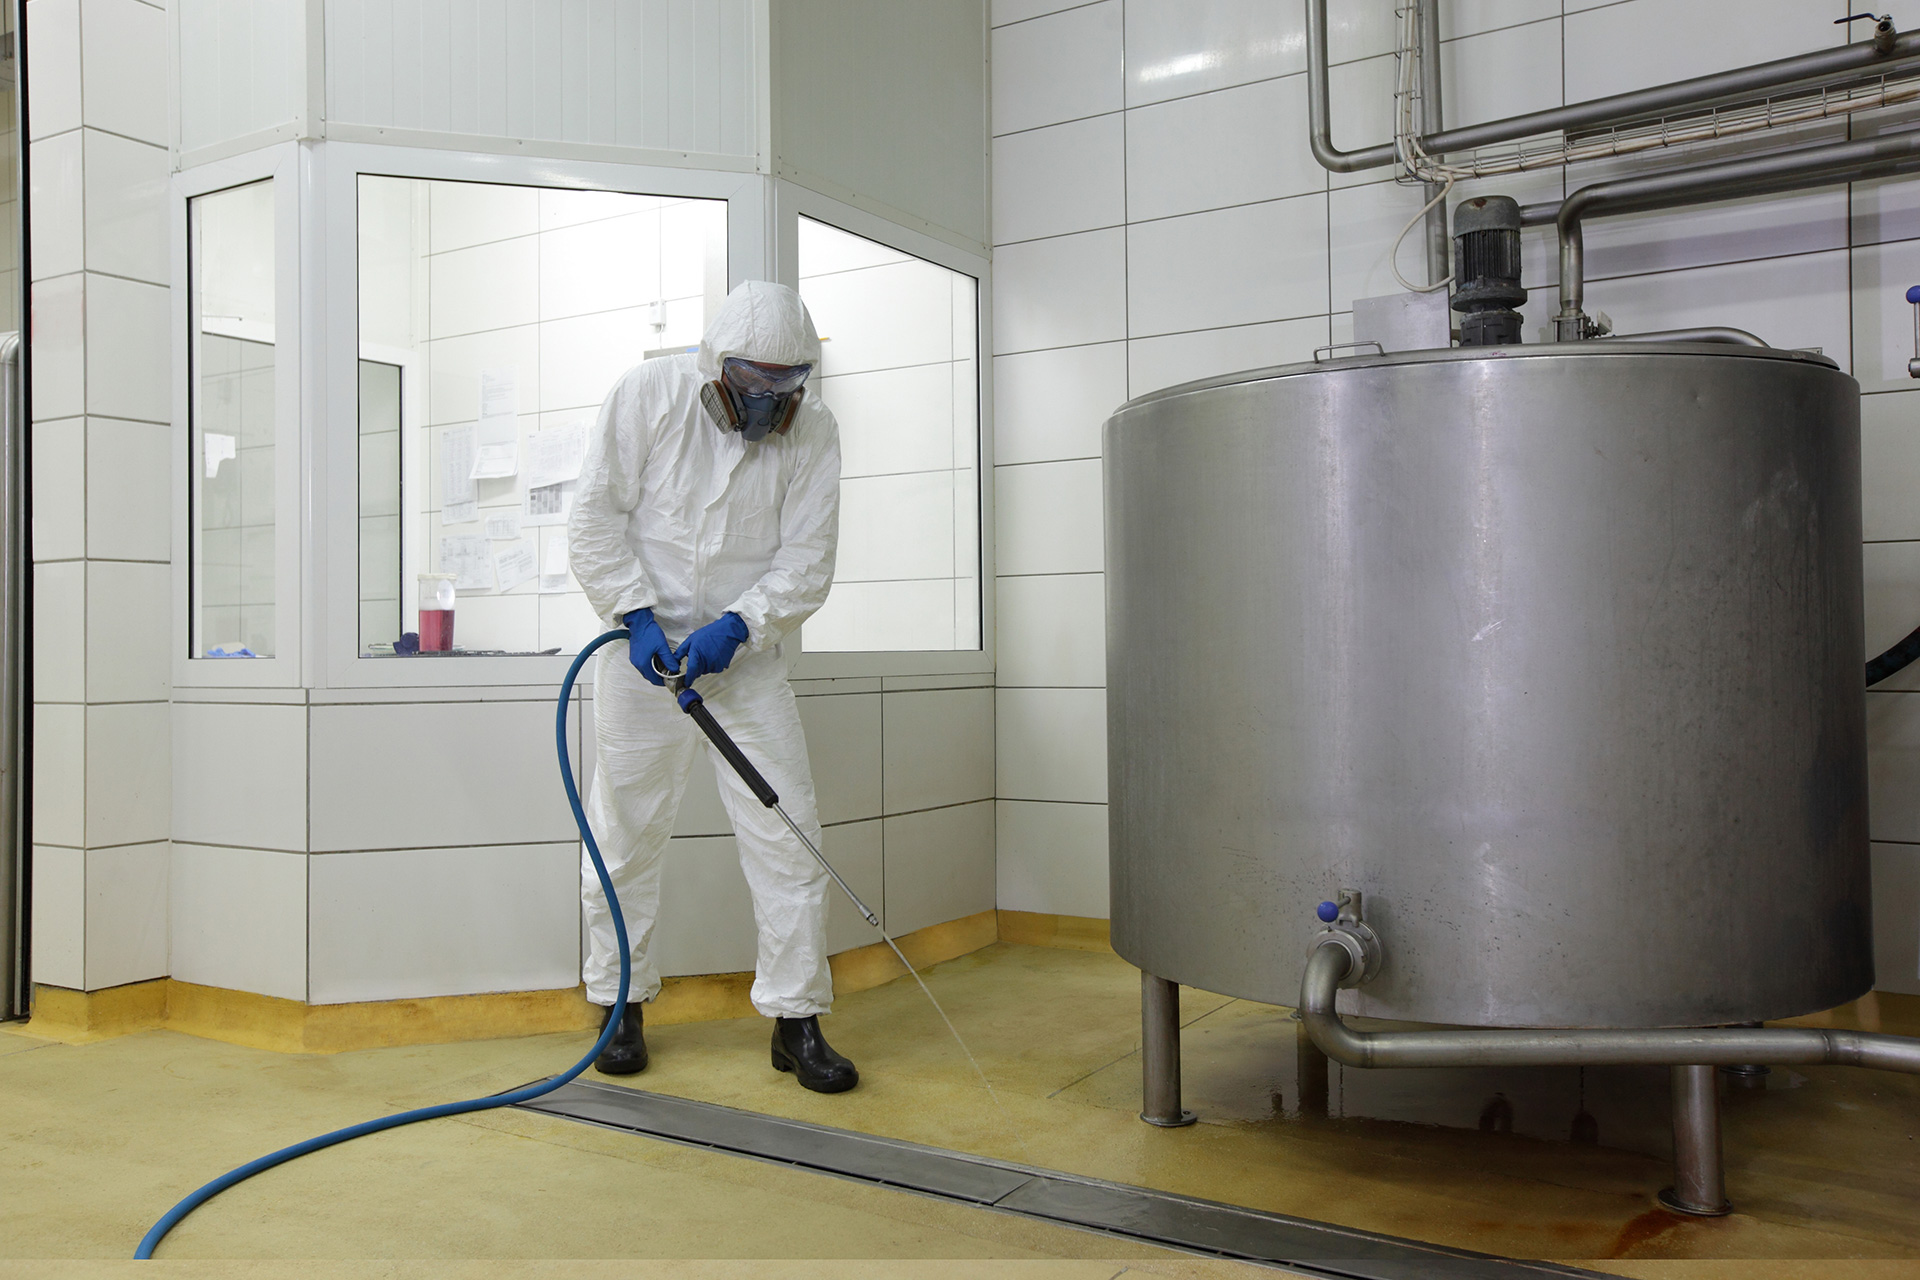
[
  {"x": 1487, "y": 1047},
  {"x": 1703, "y": 333},
  {"x": 1728, "y": 180},
  {"x": 1804, "y": 68}
]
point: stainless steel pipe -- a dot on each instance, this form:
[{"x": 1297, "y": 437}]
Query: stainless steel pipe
[
  {"x": 1702, "y": 333},
  {"x": 1730, "y": 179},
  {"x": 1699, "y": 1171},
  {"x": 1160, "y": 1053},
  {"x": 1575, "y": 1047},
  {"x": 1439, "y": 246},
  {"x": 1806, "y": 69}
]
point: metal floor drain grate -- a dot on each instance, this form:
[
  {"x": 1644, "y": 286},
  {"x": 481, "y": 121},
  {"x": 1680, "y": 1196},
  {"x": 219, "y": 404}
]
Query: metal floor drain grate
[{"x": 1112, "y": 1208}]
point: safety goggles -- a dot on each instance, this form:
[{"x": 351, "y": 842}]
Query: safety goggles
[{"x": 753, "y": 378}]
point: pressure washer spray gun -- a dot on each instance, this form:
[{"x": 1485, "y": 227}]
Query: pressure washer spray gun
[{"x": 691, "y": 703}]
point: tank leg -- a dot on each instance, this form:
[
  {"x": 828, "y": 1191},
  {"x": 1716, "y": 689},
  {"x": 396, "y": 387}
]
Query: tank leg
[
  {"x": 1160, "y": 1053},
  {"x": 1699, "y": 1182}
]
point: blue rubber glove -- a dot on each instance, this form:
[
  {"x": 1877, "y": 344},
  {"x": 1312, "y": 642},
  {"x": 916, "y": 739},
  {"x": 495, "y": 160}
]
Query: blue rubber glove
[
  {"x": 647, "y": 642},
  {"x": 708, "y": 651}
]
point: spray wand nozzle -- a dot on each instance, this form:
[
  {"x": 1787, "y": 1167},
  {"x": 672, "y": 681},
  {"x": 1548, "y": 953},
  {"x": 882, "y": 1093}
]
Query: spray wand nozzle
[{"x": 696, "y": 707}]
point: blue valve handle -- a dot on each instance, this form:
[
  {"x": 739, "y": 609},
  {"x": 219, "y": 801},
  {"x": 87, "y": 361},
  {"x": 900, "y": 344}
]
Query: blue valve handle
[{"x": 1328, "y": 912}]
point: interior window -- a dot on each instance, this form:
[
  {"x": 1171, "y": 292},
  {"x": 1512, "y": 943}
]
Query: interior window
[{"x": 899, "y": 337}]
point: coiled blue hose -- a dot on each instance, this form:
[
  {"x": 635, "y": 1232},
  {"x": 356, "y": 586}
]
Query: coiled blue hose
[{"x": 234, "y": 1177}]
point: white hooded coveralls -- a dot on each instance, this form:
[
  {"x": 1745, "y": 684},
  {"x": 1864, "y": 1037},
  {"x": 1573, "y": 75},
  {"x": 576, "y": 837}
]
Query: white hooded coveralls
[{"x": 675, "y": 515}]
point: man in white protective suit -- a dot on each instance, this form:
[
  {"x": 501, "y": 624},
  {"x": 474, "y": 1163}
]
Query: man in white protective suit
[{"x": 708, "y": 510}]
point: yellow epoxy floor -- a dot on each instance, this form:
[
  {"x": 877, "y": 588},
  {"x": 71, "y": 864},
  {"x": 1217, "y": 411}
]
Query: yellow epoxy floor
[{"x": 95, "y": 1141}]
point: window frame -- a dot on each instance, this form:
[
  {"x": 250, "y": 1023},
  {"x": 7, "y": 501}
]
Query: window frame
[
  {"x": 338, "y": 168},
  {"x": 793, "y": 202},
  {"x": 281, "y": 164}
]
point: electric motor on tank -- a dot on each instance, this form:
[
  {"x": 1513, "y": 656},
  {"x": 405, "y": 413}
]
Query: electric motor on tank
[{"x": 1486, "y": 258}]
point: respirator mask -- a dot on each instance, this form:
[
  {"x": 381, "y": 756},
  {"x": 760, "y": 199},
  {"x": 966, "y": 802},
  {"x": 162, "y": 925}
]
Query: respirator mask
[{"x": 753, "y": 398}]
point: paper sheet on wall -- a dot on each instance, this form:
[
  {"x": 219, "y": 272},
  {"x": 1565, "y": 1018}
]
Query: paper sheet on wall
[
  {"x": 553, "y": 564},
  {"x": 219, "y": 448},
  {"x": 503, "y": 526},
  {"x": 514, "y": 564},
  {"x": 496, "y": 436},
  {"x": 554, "y": 455},
  {"x": 460, "y": 513},
  {"x": 469, "y": 559},
  {"x": 456, "y": 467},
  {"x": 548, "y": 504}
]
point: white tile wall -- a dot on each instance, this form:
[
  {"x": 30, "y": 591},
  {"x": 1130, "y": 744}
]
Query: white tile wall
[
  {"x": 1219, "y": 268},
  {"x": 241, "y": 778},
  {"x": 59, "y": 488},
  {"x": 1613, "y": 48},
  {"x": 59, "y": 616},
  {"x": 432, "y": 922},
  {"x": 1056, "y": 68},
  {"x": 53, "y": 47},
  {"x": 1896, "y": 934},
  {"x": 1050, "y": 744},
  {"x": 55, "y": 192},
  {"x": 126, "y": 914},
  {"x": 1154, "y": 363},
  {"x": 938, "y": 749},
  {"x": 123, "y": 80},
  {"x": 59, "y": 916},
  {"x": 128, "y": 515},
  {"x": 129, "y": 777},
  {"x": 1237, "y": 146},
  {"x": 1059, "y": 179},
  {"x": 843, "y": 746},
  {"x": 1893, "y": 765},
  {"x": 939, "y": 865},
  {"x": 1892, "y": 573},
  {"x": 128, "y": 651},
  {"x": 126, "y": 218},
  {"x": 1060, "y": 292},
  {"x": 855, "y": 850},
  {"x": 1049, "y": 405},
  {"x": 1047, "y": 518},
  {"x": 1052, "y": 858},
  {"x": 1052, "y": 631},
  {"x": 1176, "y": 48},
  {"x": 58, "y": 348},
  {"x": 128, "y": 370},
  {"x": 239, "y": 919}
]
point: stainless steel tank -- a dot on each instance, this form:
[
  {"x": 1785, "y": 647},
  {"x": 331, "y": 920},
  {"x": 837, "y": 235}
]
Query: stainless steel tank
[{"x": 1554, "y": 653}]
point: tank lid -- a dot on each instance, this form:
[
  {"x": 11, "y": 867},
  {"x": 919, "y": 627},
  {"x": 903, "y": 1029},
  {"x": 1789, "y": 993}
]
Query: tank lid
[{"x": 1598, "y": 349}]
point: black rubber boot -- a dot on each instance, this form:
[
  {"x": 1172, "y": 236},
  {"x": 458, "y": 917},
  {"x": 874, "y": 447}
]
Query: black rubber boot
[
  {"x": 626, "y": 1053},
  {"x": 799, "y": 1047}
]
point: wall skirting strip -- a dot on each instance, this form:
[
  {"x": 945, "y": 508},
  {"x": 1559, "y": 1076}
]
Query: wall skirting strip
[{"x": 1037, "y": 929}]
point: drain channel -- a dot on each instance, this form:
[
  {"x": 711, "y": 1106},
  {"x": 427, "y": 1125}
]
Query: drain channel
[{"x": 1111, "y": 1208}]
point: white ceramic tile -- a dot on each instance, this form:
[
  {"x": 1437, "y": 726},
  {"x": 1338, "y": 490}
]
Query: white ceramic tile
[
  {"x": 1620, "y": 47},
  {"x": 1154, "y": 363},
  {"x": 1234, "y": 146},
  {"x": 60, "y": 632},
  {"x": 600, "y": 266},
  {"x": 1890, "y": 465},
  {"x": 938, "y": 748},
  {"x": 1882, "y": 317},
  {"x": 1467, "y": 17},
  {"x": 581, "y": 359},
  {"x": 59, "y": 917},
  {"x": 59, "y": 489},
  {"x": 469, "y": 213},
  {"x": 126, "y": 207},
  {"x": 124, "y": 46},
  {"x": 869, "y": 617},
  {"x": 126, "y": 915},
  {"x": 129, "y": 348},
  {"x": 384, "y": 926},
  {"x": 487, "y": 286},
  {"x": 882, "y": 317},
  {"x": 1052, "y": 630},
  {"x": 129, "y": 508},
  {"x": 1050, "y": 405},
  {"x": 843, "y": 748},
  {"x": 1047, "y": 518},
  {"x": 1176, "y": 47},
  {"x": 1764, "y": 227},
  {"x": 1357, "y": 31},
  {"x": 706, "y": 914},
  {"x": 1893, "y": 765},
  {"x": 1057, "y": 68},
  {"x": 1885, "y": 208},
  {"x": 454, "y": 366},
  {"x": 1892, "y": 579},
  {"x": 477, "y": 773},
  {"x": 1364, "y": 222},
  {"x": 1232, "y": 266},
  {"x": 53, "y": 47},
  {"x": 1005, "y": 11},
  {"x": 1064, "y": 178},
  {"x": 58, "y": 347},
  {"x": 129, "y": 774},
  {"x": 1060, "y": 292},
  {"x": 239, "y": 920},
  {"x": 567, "y": 621},
  {"x": 854, "y": 848},
  {"x": 1051, "y": 744},
  {"x": 939, "y": 866},
  {"x": 130, "y": 642},
  {"x": 59, "y": 775},
  {"x": 1502, "y": 73},
  {"x": 1790, "y": 302},
  {"x": 892, "y": 420},
  {"x": 56, "y": 192},
  {"x": 1896, "y": 918},
  {"x": 240, "y": 774},
  {"x": 1052, "y": 858},
  {"x": 1360, "y": 106},
  {"x": 894, "y": 527}
]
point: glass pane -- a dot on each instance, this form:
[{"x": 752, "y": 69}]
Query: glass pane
[
  {"x": 898, "y": 341},
  {"x": 513, "y": 311},
  {"x": 232, "y": 416}
]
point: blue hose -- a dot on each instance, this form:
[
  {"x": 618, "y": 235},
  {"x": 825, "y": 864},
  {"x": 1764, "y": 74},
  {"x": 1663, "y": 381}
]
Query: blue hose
[{"x": 233, "y": 1177}]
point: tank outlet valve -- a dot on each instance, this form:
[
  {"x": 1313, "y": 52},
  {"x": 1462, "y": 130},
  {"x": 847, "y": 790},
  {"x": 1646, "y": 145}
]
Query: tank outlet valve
[
  {"x": 1913, "y": 365},
  {"x": 1486, "y": 256},
  {"x": 1346, "y": 930}
]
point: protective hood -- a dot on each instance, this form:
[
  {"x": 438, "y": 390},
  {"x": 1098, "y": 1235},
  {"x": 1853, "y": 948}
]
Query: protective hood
[{"x": 760, "y": 321}]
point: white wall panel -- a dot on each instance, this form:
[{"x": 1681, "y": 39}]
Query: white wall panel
[
  {"x": 1060, "y": 179},
  {"x": 676, "y": 76},
  {"x": 129, "y": 778},
  {"x": 1050, "y": 405},
  {"x": 1061, "y": 67},
  {"x": 126, "y": 914},
  {"x": 939, "y": 748},
  {"x": 1052, "y": 858},
  {"x": 1896, "y": 923},
  {"x": 242, "y": 67},
  {"x": 239, "y": 919},
  {"x": 60, "y": 917},
  {"x": 242, "y": 775},
  {"x": 939, "y": 866},
  {"x": 1051, "y": 744}
]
